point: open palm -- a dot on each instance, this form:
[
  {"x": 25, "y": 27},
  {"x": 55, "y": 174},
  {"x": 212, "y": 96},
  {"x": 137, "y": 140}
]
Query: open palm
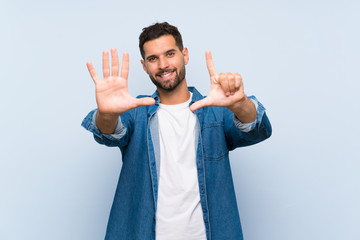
[{"x": 112, "y": 94}]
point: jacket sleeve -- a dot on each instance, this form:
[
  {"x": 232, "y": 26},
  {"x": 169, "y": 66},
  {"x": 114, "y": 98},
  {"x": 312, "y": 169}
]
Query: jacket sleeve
[
  {"x": 120, "y": 136},
  {"x": 240, "y": 135}
]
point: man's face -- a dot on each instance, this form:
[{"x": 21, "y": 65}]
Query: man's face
[{"x": 164, "y": 62}]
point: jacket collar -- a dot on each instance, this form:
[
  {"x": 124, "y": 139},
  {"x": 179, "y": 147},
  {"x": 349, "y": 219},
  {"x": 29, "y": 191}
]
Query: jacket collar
[
  {"x": 196, "y": 95},
  {"x": 153, "y": 108}
]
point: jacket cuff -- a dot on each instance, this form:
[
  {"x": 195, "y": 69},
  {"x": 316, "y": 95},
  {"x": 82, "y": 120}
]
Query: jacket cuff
[{"x": 89, "y": 124}]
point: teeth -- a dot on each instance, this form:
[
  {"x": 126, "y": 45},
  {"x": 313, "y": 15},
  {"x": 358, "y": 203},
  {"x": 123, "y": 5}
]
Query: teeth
[{"x": 165, "y": 75}]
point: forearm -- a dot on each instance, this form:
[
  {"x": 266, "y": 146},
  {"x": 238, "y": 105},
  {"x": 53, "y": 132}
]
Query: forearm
[
  {"x": 244, "y": 110},
  {"x": 106, "y": 123}
]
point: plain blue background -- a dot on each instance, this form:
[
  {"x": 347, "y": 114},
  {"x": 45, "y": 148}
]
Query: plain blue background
[{"x": 300, "y": 58}]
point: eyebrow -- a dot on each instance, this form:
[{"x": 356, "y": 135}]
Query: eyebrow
[{"x": 155, "y": 56}]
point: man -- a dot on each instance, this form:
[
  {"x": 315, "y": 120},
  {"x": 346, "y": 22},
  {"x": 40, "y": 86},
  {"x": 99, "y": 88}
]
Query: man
[{"x": 175, "y": 181}]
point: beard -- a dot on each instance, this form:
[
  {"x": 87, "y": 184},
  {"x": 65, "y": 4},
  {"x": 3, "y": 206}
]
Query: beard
[{"x": 171, "y": 84}]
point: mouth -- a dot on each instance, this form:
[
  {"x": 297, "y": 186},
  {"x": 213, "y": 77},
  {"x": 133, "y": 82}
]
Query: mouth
[{"x": 166, "y": 75}]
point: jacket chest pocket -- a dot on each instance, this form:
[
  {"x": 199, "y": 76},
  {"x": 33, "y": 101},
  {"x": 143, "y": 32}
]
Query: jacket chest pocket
[{"x": 214, "y": 142}]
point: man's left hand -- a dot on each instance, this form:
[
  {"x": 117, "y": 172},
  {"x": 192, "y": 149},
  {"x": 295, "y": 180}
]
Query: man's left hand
[{"x": 226, "y": 88}]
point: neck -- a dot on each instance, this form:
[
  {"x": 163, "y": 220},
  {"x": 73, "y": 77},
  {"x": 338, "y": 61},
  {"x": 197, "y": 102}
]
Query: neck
[{"x": 178, "y": 95}]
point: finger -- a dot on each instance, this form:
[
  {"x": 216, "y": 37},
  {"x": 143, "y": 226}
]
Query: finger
[
  {"x": 238, "y": 81},
  {"x": 224, "y": 83},
  {"x": 114, "y": 62},
  {"x": 125, "y": 66},
  {"x": 106, "y": 67},
  {"x": 210, "y": 64},
  {"x": 200, "y": 104},
  {"x": 92, "y": 72},
  {"x": 241, "y": 86},
  {"x": 144, "y": 101},
  {"x": 231, "y": 81}
]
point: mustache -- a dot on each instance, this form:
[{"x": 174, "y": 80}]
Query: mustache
[{"x": 165, "y": 70}]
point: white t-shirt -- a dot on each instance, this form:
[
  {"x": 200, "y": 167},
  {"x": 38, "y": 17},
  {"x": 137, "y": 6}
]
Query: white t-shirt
[{"x": 179, "y": 214}]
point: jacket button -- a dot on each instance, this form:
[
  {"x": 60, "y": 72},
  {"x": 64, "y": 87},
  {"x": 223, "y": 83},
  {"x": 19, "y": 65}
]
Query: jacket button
[{"x": 154, "y": 219}]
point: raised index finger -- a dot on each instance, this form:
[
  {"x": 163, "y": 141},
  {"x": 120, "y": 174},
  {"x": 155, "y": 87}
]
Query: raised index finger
[
  {"x": 125, "y": 66},
  {"x": 210, "y": 64}
]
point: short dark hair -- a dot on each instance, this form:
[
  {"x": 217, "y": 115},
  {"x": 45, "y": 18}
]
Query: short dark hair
[{"x": 157, "y": 30}]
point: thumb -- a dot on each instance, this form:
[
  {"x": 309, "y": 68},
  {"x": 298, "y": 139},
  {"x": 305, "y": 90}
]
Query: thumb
[
  {"x": 200, "y": 104},
  {"x": 145, "y": 101}
]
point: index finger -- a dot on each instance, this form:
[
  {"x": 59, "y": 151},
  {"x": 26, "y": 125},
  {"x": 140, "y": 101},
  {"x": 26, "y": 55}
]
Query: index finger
[
  {"x": 125, "y": 66},
  {"x": 210, "y": 64}
]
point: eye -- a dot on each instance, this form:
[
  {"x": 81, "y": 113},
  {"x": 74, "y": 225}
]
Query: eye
[
  {"x": 151, "y": 59},
  {"x": 170, "y": 54}
]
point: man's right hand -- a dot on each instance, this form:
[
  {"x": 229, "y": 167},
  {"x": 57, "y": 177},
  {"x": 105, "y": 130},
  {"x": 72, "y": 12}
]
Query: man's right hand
[{"x": 112, "y": 94}]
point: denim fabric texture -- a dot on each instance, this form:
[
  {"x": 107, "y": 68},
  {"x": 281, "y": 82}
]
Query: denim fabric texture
[{"x": 133, "y": 210}]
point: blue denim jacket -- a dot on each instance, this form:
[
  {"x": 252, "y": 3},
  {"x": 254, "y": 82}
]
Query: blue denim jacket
[{"x": 133, "y": 211}]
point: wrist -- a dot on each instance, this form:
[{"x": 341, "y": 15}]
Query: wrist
[
  {"x": 244, "y": 110},
  {"x": 241, "y": 104},
  {"x": 106, "y": 116},
  {"x": 106, "y": 123}
]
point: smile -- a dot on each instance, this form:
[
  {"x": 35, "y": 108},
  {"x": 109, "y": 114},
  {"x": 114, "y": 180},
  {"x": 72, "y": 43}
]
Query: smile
[{"x": 166, "y": 75}]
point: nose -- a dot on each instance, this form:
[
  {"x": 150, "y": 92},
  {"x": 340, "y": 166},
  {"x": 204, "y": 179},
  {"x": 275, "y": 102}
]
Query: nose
[{"x": 163, "y": 63}]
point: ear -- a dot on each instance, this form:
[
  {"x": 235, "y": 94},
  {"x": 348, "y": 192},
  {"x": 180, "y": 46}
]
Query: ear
[
  {"x": 143, "y": 64},
  {"x": 185, "y": 52}
]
